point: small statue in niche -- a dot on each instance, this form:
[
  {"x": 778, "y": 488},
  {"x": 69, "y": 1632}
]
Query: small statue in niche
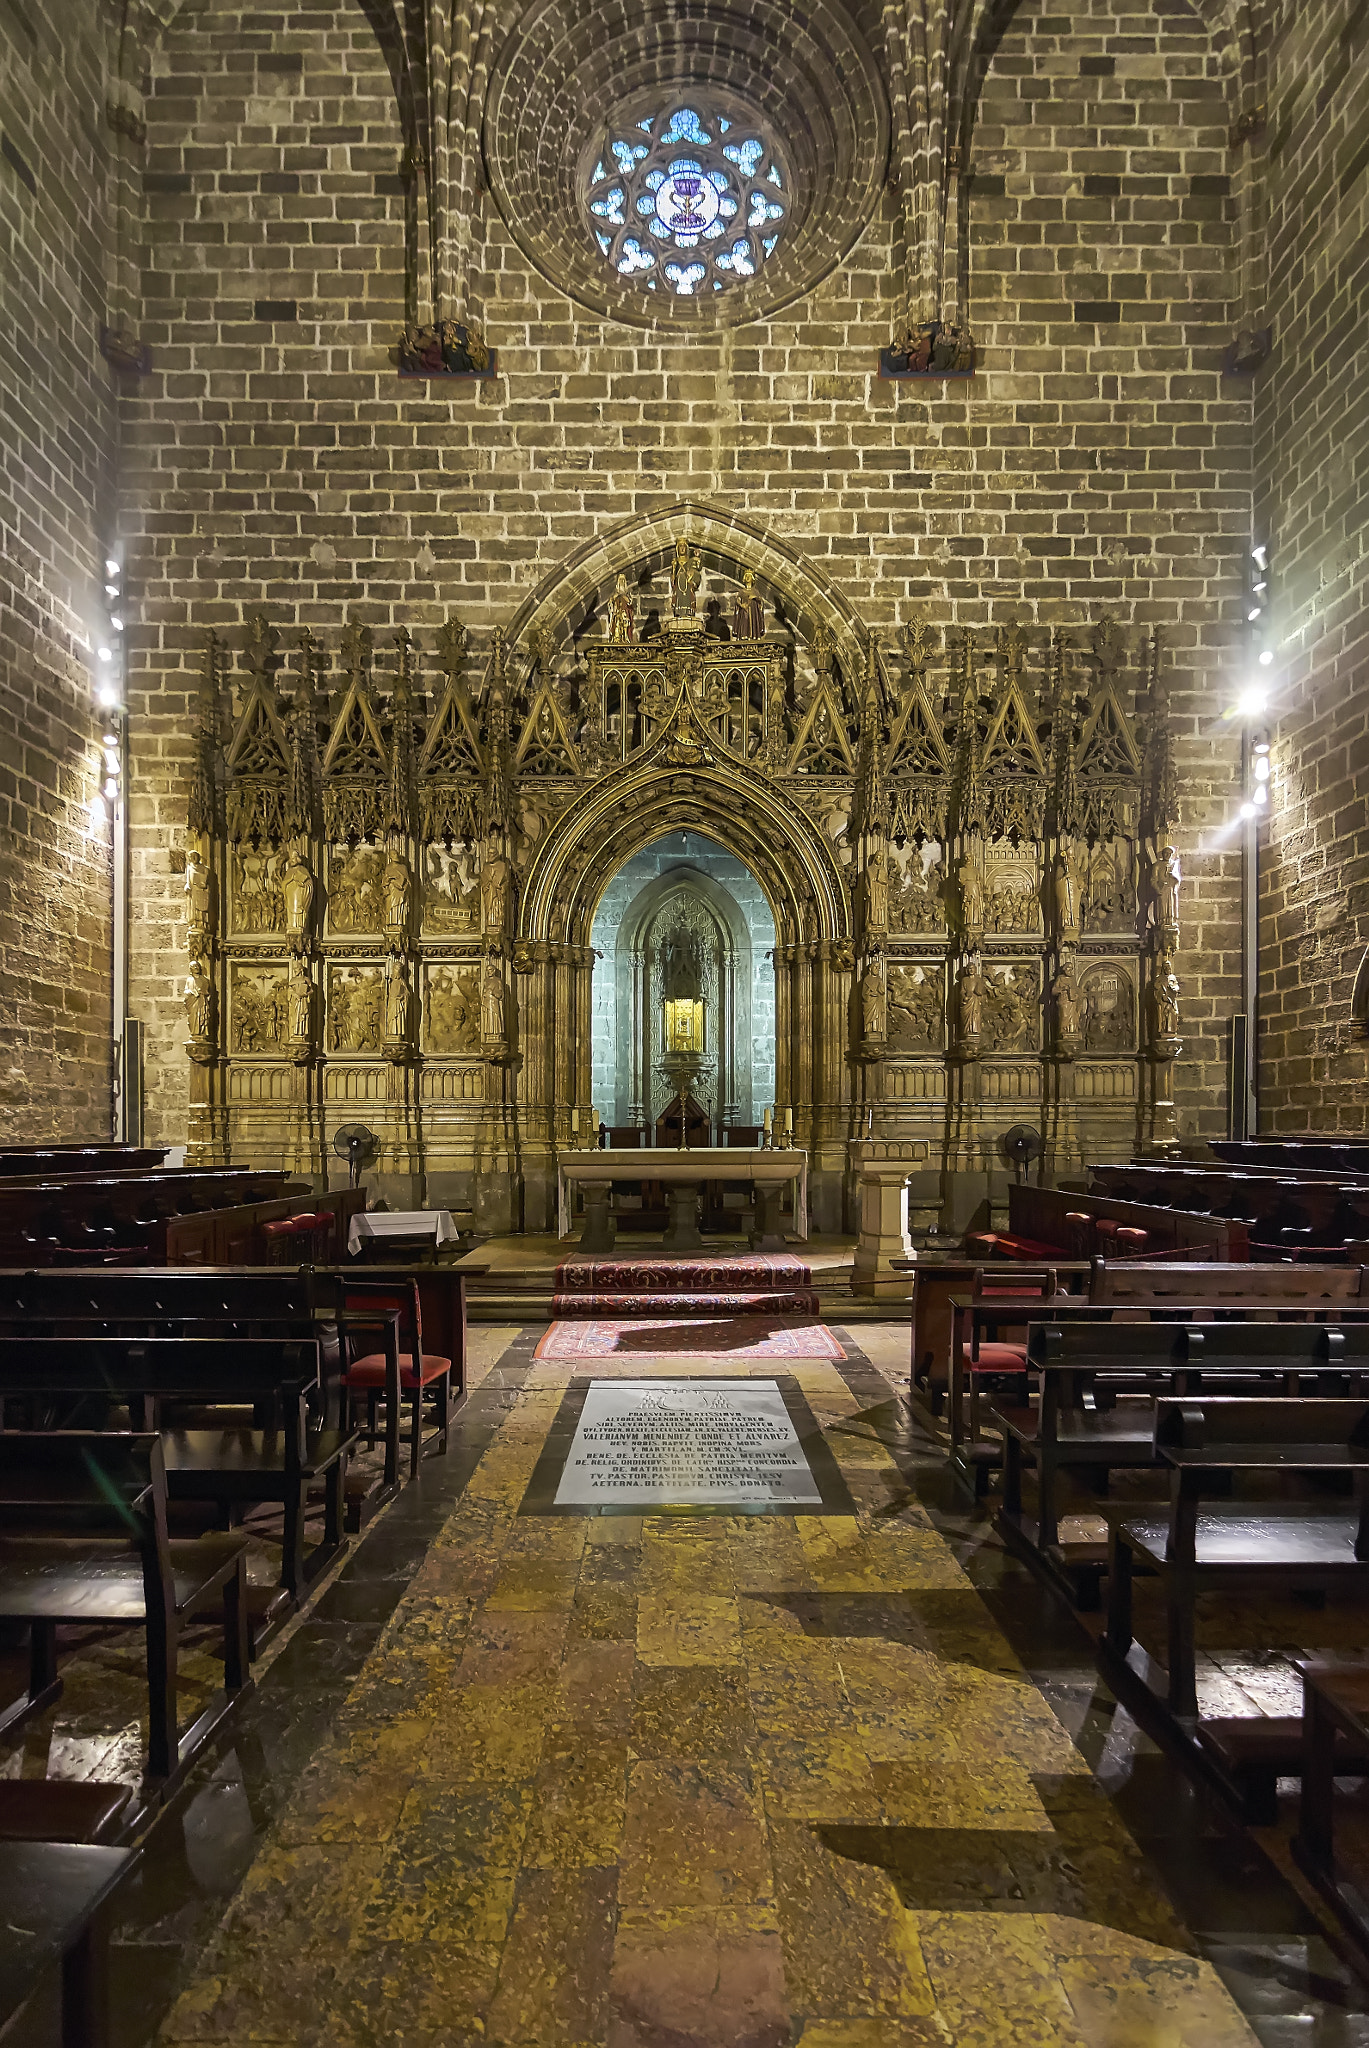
[
  {"x": 748, "y": 611},
  {"x": 199, "y": 1000},
  {"x": 1164, "y": 877},
  {"x": 971, "y": 999},
  {"x": 1069, "y": 1002},
  {"x": 201, "y": 900},
  {"x": 492, "y": 1002},
  {"x": 622, "y": 615},
  {"x": 301, "y": 1001},
  {"x": 874, "y": 1001},
  {"x": 682, "y": 967},
  {"x": 398, "y": 1001},
  {"x": 494, "y": 891},
  {"x": 685, "y": 578},
  {"x": 876, "y": 888},
  {"x": 1164, "y": 997},
  {"x": 1067, "y": 891},
  {"x": 297, "y": 890},
  {"x": 971, "y": 895},
  {"x": 397, "y": 883}
]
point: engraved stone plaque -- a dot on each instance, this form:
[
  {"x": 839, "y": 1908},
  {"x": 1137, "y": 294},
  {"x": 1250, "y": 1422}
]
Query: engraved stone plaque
[{"x": 686, "y": 1443}]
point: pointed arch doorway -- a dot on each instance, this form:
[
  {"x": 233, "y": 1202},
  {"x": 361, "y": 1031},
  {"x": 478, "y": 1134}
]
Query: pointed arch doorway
[{"x": 683, "y": 918}]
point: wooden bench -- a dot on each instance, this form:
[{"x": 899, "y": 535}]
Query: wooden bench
[
  {"x": 84, "y": 1542},
  {"x": 1041, "y": 1214},
  {"x": 1099, "y": 1385},
  {"x": 53, "y": 1917},
  {"x": 1335, "y": 1743},
  {"x": 1210, "y": 1442},
  {"x": 228, "y": 1466},
  {"x": 1202, "y": 1283}
]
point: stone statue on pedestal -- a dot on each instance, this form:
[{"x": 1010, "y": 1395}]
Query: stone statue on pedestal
[
  {"x": 622, "y": 615},
  {"x": 297, "y": 891},
  {"x": 685, "y": 578}
]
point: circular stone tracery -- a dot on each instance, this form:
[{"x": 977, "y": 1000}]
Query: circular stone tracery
[
  {"x": 807, "y": 88},
  {"x": 689, "y": 197}
]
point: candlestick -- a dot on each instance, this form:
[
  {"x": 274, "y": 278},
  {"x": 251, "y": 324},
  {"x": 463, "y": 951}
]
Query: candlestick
[{"x": 789, "y": 1119}]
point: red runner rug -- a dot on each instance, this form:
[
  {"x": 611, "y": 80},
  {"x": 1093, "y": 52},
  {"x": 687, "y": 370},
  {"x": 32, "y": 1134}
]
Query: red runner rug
[{"x": 732, "y": 1337}]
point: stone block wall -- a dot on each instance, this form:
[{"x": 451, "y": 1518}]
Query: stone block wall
[
  {"x": 1312, "y": 506},
  {"x": 274, "y": 460},
  {"x": 58, "y": 423}
]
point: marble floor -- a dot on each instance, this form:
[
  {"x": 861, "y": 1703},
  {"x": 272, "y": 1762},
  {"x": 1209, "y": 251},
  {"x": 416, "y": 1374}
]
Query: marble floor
[{"x": 674, "y": 1780}]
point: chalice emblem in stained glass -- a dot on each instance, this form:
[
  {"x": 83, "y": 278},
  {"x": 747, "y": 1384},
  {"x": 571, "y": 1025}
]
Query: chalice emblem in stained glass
[{"x": 686, "y": 203}]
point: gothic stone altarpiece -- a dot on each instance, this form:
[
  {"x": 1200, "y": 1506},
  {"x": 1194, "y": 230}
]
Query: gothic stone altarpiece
[{"x": 965, "y": 841}]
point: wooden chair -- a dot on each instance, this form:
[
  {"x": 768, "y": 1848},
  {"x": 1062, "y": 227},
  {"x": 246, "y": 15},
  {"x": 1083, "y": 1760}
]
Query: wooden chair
[
  {"x": 365, "y": 1376},
  {"x": 230, "y": 1466},
  {"x": 981, "y": 1354},
  {"x": 54, "y": 1900},
  {"x": 84, "y": 1542}
]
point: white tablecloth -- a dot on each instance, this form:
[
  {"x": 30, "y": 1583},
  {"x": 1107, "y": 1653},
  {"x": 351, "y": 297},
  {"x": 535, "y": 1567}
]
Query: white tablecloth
[{"x": 434, "y": 1223}]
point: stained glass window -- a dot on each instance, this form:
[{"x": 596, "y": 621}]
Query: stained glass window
[{"x": 688, "y": 197}]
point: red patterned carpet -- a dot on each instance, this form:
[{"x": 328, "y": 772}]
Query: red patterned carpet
[
  {"x": 750, "y": 1336},
  {"x": 754, "y": 1284}
]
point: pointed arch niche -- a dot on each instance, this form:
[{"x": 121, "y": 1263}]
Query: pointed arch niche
[{"x": 683, "y": 881}]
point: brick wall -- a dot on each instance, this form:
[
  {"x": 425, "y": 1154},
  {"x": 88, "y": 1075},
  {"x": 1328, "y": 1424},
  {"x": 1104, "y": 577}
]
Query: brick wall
[
  {"x": 57, "y": 441},
  {"x": 1312, "y": 461},
  {"x": 1099, "y": 460}
]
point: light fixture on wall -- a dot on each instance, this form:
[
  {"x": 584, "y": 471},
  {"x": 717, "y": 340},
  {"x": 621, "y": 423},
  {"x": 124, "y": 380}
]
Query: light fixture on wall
[
  {"x": 110, "y": 678},
  {"x": 1251, "y": 707}
]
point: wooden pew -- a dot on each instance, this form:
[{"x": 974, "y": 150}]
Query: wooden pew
[
  {"x": 51, "y": 1162},
  {"x": 84, "y": 1542},
  {"x": 238, "y": 1301},
  {"x": 54, "y": 1900},
  {"x": 1099, "y": 1384},
  {"x": 43, "y": 1222},
  {"x": 1235, "y": 1547},
  {"x": 936, "y": 1284},
  {"x": 1334, "y": 1735},
  {"x": 1039, "y": 1214},
  {"x": 1152, "y": 1282},
  {"x": 228, "y": 1466}
]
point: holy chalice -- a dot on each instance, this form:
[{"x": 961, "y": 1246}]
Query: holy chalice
[{"x": 683, "y": 1062}]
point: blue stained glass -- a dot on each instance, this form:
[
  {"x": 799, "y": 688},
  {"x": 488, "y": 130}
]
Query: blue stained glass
[
  {"x": 768, "y": 242},
  {"x": 727, "y": 206},
  {"x": 646, "y": 205},
  {"x": 773, "y": 175},
  {"x": 738, "y": 259},
  {"x": 634, "y": 257},
  {"x": 686, "y": 277},
  {"x": 610, "y": 207},
  {"x": 714, "y": 228},
  {"x": 659, "y": 228},
  {"x": 748, "y": 154},
  {"x": 717, "y": 284},
  {"x": 645, "y": 126},
  {"x": 600, "y": 171},
  {"x": 604, "y": 243},
  {"x": 719, "y": 178},
  {"x": 723, "y": 126},
  {"x": 762, "y": 210},
  {"x": 653, "y": 180},
  {"x": 685, "y": 163},
  {"x": 629, "y": 154},
  {"x": 685, "y": 126}
]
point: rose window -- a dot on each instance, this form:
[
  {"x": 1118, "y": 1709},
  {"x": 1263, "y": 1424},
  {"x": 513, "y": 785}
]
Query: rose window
[{"x": 688, "y": 198}]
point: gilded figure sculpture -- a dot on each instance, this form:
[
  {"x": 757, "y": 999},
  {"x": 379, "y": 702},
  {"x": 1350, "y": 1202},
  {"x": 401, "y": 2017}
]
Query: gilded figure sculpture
[
  {"x": 199, "y": 1000},
  {"x": 1067, "y": 891},
  {"x": 971, "y": 998},
  {"x": 971, "y": 895},
  {"x": 748, "y": 610},
  {"x": 874, "y": 1001},
  {"x": 1165, "y": 877},
  {"x": 398, "y": 1001},
  {"x": 494, "y": 891},
  {"x": 622, "y": 615},
  {"x": 297, "y": 890},
  {"x": 1068, "y": 1001},
  {"x": 301, "y": 1000},
  {"x": 398, "y": 884},
  {"x": 685, "y": 578}
]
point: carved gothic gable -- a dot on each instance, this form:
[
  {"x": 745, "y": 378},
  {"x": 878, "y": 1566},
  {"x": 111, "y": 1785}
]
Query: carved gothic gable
[
  {"x": 259, "y": 756},
  {"x": 356, "y": 764},
  {"x": 545, "y": 746},
  {"x": 822, "y": 745}
]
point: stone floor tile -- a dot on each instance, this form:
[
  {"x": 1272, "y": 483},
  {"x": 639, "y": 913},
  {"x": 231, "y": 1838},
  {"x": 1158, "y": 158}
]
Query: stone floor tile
[
  {"x": 691, "y": 1710},
  {"x": 712, "y": 1981},
  {"x": 959, "y": 1792},
  {"x": 995, "y": 1984},
  {"x": 579, "y": 1801},
  {"x": 687, "y": 1630},
  {"x": 554, "y": 1977},
  {"x": 489, "y": 1732},
  {"x": 849, "y": 1947},
  {"x": 694, "y": 1838},
  {"x": 808, "y": 1777}
]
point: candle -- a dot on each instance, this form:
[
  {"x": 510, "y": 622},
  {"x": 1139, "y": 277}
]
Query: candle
[
  {"x": 767, "y": 1123},
  {"x": 789, "y": 1120},
  {"x": 575, "y": 1123}
]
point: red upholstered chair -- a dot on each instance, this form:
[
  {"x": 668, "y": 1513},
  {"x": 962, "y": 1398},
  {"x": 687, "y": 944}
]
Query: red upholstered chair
[
  {"x": 1119, "y": 1240},
  {"x": 987, "y": 1358},
  {"x": 306, "y": 1239},
  {"x": 420, "y": 1372}
]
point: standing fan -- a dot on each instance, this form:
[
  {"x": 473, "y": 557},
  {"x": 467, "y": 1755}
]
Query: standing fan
[
  {"x": 357, "y": 1145},
  {"x": 1022, "y": 1144}
]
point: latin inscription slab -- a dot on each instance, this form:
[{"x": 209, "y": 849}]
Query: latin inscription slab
[{"x": 686, "y": 1443}]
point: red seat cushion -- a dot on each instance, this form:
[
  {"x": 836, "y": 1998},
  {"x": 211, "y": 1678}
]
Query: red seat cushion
[
  {"x": 369, "y": 1371},
  {"x": 996, "y": 1358}
]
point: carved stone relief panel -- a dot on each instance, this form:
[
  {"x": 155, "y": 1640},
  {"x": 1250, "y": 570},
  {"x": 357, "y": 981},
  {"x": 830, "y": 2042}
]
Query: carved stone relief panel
[
  {"x": 1012, "y": 1007},
  {"x": 1109, "y": 1008},
  {"x": 916, "y": 1007},
  {"x": 258, "y": 1009},
  {"x": 356, "y": 1009},
  {"x": 1110, "y": 887},
  {"x": 258, "y": 898},
  {"x": 915, "y": 878},
  {"x": 451, "y": 1011},
  {"x": 451, "y": 888},
  {"x": 1012, "y": 889},
  {"x": 356, "y": 893}
]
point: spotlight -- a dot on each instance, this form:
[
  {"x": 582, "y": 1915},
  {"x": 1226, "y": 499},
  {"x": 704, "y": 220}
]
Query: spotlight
[
  {"x": 108, "y": 699},
  {"x": 111, "y": 590},
  {"x": 111, "y": 566},
  {"x": 1266, "y": 657},
  {"x": 1251, "y": 703},
  {"x": 1260, "y": 557},
  {"x": 111, "y": 788},
  {"x": 1253, "y": 614},
  {"x": 1262, "y": 792},
  {"x": 1247, "y": 810},
  {"x": 117, "y": 624},
  {"x": 104, "y": 654}
]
